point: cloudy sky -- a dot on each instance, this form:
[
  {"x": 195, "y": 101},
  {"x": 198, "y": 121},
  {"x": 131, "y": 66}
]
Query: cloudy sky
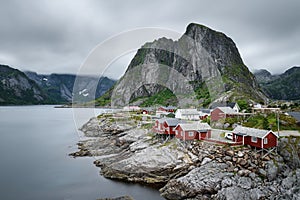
[{"x": 58, "y": 35}]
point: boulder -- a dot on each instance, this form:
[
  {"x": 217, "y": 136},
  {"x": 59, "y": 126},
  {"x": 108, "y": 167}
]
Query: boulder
[{"x": 206, "y": 160}]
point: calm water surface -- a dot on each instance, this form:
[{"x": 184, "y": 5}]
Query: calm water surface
[{"x": 34, "y": 146}]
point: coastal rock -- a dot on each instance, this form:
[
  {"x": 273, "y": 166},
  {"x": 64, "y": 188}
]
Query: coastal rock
[
  {"x": 118, "y": 198},
  {"x": 289, "y": 149},
  {"x": 152, "y": 165},
  {"x": 203, "y": 181},
  {"x": 199, "y": 170},
  {"x": 232, "y": 193},
  {"x": 205, "y": 160}
]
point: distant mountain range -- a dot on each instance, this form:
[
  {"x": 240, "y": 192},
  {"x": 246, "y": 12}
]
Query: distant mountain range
[
  {"x": 209, "y": 60},
  {"x": 284, "y": 86},
  {"x": 17, "y": 88}
]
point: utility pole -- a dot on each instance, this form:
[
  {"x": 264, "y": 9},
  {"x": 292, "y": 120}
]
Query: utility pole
[{"x": 278, "y": 122}]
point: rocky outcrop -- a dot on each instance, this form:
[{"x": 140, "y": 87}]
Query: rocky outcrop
[
  {"x": 289, "y": 149},
  {"x": 118, "y": 198},
  {"x": 239, "y": 174},
  {"x": 128, "y": 153}
]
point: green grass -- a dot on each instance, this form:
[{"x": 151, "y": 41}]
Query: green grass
[{"x": 269, "y": 121}]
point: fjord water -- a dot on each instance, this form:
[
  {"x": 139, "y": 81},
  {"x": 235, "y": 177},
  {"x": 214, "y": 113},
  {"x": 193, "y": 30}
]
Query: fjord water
[{"x": 34, "y": 146}]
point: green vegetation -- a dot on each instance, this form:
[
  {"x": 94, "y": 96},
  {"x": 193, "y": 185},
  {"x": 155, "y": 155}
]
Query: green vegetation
[
  {"x": 203, "y": 94},
  {"x": 164, "y": 97},
  {"x": 206, "y": 120},
  {"x": 244, "y": 105},
  {"x": 147, "y": 126},
  {"x": 269, "y": 121},
  {"x": 105, "y": 99},
  {"x": 170, "y": 115}
]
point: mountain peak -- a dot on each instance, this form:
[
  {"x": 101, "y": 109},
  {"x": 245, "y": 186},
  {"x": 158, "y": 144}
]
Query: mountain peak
[{"x": 200, "y": 55}]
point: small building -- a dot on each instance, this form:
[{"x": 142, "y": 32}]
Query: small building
[
  {"x": 258, "y": 138},
  {"x": 165, "y": 126},
  {"x": 235, "y": 106},
  {"x": 187, "y": 114},
  {"x": 131, "y": 108},
  {"x": 147, "y": 111},
  {"x": 222, "y": 113},
  {"x": 196, "y": 130},
  {"x": 265, "y": 110},
  {"x": 167, "y": 109}
]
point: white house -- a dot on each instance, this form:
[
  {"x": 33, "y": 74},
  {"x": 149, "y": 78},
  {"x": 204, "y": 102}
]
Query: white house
[
  {"x": 187, "y": 114},
  {"x": 236, "y": 107},
  {"x": 131, "y": 108}
]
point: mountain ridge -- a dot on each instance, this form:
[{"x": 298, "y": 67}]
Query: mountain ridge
[
  {"x": 19, "y": 88},
  {"x": 285, "y": 86},
  {"x": 203, "y": 57}
]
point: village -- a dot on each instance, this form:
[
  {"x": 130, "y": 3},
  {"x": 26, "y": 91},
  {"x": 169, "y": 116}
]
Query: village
[{"x": 211, "y": 125}]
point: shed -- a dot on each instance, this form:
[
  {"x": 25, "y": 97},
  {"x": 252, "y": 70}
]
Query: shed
[
  {"x": 193, "y": 131},
  {"x": 188, "y": 114},
  {"x": 255, "y": 137},
  {"x": 222, "y": 113}
]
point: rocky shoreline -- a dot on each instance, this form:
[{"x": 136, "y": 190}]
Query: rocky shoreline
[{"x": 125, "y": 149}]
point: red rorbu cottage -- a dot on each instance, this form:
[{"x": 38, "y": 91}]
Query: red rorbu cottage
[
  {"x": 193, "y": 131},
  {"x": 222, "y": 113},
  {"x": 165, "y": 126},
  {"x": 167, "y": 109},
  {"x": 258, "y": 138}
]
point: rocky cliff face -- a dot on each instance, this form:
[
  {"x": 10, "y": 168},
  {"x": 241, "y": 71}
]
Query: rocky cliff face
[
  {"x": 202, "y": 60},
  {"x": 59, "y": 87},
  {"x": 17, "y": 88},
  {"x": 284, "y": 86}
]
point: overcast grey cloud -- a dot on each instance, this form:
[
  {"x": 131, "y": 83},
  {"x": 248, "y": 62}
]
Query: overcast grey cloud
[{"x": 57, "y": 35}]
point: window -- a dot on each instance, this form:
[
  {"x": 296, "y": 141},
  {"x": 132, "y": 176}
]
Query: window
[
  {"x": 265, "y": 140},
  {"x": 253, "y": 139},
  {"x": 176, "y": 132},
  {"x": 181, "y": 134},
  {"x": 191, "y": 134}
]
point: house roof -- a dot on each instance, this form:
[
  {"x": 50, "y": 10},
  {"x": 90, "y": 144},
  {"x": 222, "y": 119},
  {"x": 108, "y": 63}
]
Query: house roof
[
  {"x": 227, "y": 104},
  {"x": 205, "y": 110},
  {"x": 197, "y": 126},
  {"x": 252, "y": 132},
  {"x": 227, "y": 110},
  {"x": 169, "y": 121},
  {"x": 188, "y": 111},
  {"x": 172, "y": 121},
  {"x": 168, "y": 107},
  {"x": 231, "y": 104}
]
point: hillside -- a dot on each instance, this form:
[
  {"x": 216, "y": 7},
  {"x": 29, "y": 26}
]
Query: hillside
[
  {"x": 200, "y": 68},
  {"x": 284, "y": 86},
  {"x": 16, "y": 88}
]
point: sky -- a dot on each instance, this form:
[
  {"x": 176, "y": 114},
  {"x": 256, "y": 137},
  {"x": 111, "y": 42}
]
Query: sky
[{"x": 57, "y": 36}]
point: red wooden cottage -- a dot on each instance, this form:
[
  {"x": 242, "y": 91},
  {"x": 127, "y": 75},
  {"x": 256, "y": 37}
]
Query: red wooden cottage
[
  {"x": 258, "y": 138},
  {"x": 222, "y": 113},
  {"x": 166, "y": 126},
  {"x": 193, "y": 131},
  {"x": 167, "y": 109}
]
